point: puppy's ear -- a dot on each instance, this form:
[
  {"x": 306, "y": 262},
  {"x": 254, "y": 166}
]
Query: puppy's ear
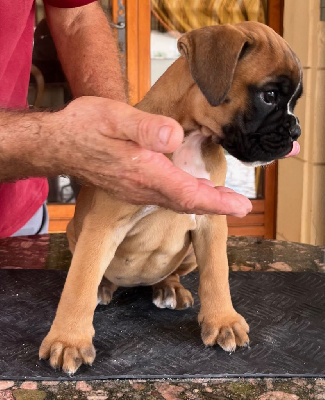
[{"x": 212, "y": 54}]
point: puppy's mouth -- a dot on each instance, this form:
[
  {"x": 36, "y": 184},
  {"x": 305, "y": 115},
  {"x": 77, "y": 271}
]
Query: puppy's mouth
[
  {"x": 261, "y": 147},
  {"x": 259, "y": 150},
  {"x": 295, "y": 150}
]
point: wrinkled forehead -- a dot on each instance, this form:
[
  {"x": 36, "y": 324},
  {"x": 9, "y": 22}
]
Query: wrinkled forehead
[{"x": 268, "y": 55}]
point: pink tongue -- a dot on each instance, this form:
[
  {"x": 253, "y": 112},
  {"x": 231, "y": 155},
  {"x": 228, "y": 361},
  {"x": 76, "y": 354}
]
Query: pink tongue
[{"x": 295, "y": 150}]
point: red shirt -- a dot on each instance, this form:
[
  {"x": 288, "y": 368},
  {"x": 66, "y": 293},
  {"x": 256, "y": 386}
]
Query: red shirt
[{"x": 21, "y": 199}]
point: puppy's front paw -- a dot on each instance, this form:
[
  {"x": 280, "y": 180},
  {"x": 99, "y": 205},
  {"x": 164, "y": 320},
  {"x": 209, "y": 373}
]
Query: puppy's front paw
[
  {"x": 67, "y": 353},
  {"x": 227, "y": 330}
]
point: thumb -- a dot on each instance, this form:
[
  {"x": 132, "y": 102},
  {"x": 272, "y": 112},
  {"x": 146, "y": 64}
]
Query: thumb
[{"x": 153, "y": 132}]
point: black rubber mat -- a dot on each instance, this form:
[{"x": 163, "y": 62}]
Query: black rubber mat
[{"x": 134, "y": 339}]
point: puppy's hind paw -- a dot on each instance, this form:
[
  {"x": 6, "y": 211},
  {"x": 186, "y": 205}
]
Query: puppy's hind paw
[
  {"x": 170, "y": 296},
  {"x": 105, "y": 291}
]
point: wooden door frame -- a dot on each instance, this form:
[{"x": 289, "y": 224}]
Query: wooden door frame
[
  {"x": 138, "y": 28},
  {"x": 275, "y": 21}
]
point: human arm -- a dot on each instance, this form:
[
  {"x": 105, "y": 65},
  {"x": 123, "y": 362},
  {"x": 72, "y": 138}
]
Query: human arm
[
  {"x": 105, "y": 142},
  {"x": 87, "y": 51}
]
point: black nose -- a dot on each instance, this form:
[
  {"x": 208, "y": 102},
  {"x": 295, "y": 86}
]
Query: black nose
[
  {"x": 292, "y": 124},
  {"x": 295, "y": 132}
]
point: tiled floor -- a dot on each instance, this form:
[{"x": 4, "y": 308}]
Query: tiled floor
[{"x": 219, "y": 389}]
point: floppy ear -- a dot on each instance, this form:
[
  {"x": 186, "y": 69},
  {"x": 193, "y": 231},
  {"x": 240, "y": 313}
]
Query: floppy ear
[{"x": 212, "y": 54}]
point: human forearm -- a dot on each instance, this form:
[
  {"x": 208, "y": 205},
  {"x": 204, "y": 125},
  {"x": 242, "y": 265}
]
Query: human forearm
[
  {"x": 27, "y": 144},
  {"x": 87, "y": 50}
]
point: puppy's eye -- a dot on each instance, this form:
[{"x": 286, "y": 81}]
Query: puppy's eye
[{"x": 270, "y": 96}]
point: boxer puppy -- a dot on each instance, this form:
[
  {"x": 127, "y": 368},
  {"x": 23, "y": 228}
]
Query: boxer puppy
[{"x": 233, "y": 88}]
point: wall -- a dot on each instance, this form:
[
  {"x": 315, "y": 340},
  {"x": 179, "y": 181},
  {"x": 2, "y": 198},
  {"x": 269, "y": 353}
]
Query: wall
[{"x": 301, "y": 179}]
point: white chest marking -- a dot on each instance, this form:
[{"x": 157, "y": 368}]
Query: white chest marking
[
  {"x": 146, "y": 210},
  {"x": 188, "y": 156},
  {"x": 256, "y": 164}
]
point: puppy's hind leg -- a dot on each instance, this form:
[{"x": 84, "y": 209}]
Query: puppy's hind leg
[
  {"x": 71, "y": 235},
  {"x": 170, "y": 293},
  {"x": 105, "y": 291}
]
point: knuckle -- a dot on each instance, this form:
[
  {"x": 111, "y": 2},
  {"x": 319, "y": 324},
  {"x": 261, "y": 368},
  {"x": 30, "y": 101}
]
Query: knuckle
[
  {"x": 188, "y": 196},
  {"x": 145, "y": 130}
]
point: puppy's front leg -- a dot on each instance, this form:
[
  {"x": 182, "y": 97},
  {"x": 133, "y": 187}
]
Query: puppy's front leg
[
  {"x": 220, "y": 323},
  {"x": 69, "y": 342}
]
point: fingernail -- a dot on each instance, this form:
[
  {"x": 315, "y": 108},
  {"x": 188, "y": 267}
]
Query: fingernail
[{"x": 164, "y": 134}]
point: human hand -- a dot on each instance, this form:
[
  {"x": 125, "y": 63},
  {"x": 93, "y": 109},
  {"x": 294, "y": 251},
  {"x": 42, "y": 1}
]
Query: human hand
[{"x": 119, "y": 148}]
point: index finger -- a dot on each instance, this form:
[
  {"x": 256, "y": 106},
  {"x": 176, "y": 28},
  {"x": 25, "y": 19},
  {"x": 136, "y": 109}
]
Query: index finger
[{"x": 192, "y": 195}]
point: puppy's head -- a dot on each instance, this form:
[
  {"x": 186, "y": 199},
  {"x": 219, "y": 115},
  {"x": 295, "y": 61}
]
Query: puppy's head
[{"x": 251, "y": 79}]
